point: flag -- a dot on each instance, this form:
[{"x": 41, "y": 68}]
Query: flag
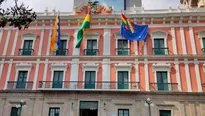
[
  {"x": 140, "y": 32},
  {"x": 55, "y": 38},
  {"x": 81, "y": 32}
]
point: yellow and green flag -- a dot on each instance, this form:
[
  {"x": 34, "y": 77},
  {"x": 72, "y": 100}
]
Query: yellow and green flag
[{"x": 81, "y": 32}]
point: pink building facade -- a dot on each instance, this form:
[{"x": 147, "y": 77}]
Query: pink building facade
[{"x": 168, "y": 67}]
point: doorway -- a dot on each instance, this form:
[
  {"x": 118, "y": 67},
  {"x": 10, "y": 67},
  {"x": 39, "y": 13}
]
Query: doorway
[{"x": 88, "y": 108}]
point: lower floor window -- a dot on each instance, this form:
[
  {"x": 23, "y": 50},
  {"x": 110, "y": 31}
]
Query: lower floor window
[
  {"x": 14, "y": 111},
  {"x": 165, "y": 113},
  {"x": 54, "y": 112},
  {"x": 123, "y": 112}
]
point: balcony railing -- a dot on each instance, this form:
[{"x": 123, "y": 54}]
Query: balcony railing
[
  {"x": 123, "y": 51},
  {"x": 160, "y": 51},
  {"x": 90, "y": 52},
  {"x": 20, "y": 85},
  {"x": 26, "y": 52},
  {"x": 82, "y": 85},
  {"x": 61, "y": 52},
  {"x": 203, "y": 51},
  {"x": 166, "y": 87}
]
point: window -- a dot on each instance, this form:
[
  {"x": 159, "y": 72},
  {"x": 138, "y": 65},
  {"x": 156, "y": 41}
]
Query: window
[
  {"x": 122, "y": 47},
  {"x": 162, "y": 81},
  {"x": 62, "y": 51},
  {"x": 91, "y": 49},
  {"x": 165, "y": 113},
  {"x": 22, "y": 79},
  {"x": 159, "y": 47},
  {"x": 203, "y": 41},
  {"x": 122, "y": 80},
  {"x": 123, "y": 112},
  {"x": 58, "y": 79},
  {"x": 90, "y": 79},
  {"x": 54, "y": 112},
  {"x": 27, "y": 48},
  {"x": 14, "y": 111}
]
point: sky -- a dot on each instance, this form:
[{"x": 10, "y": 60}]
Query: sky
[{"x": 67, "y": 5}]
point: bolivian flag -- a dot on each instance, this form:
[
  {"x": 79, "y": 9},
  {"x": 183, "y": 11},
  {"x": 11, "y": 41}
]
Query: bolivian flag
[{"x": 81, "y": 32}]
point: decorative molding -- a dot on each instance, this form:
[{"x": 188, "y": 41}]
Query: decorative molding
[
  {"x": 92, "y": 35},
  {"x": 123, "y": 67},
  {"x": 59, "y": 66},
  {"x": 24, "y": 66},
  {"x": 90, "y": 67},
  {"x": 65, "y": 36},
  {"x": 161, "y": 67},
  {"x": 159, "y": 35},
  {"x": 28, "y": 35}
]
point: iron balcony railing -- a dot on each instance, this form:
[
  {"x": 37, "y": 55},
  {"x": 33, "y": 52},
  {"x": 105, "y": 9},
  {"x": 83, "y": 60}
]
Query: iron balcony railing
[
  {"x": 160, "y": 51},
  {"x": 123, "y": 51},
  {"x": 22, "y": 85},
  {"x": 91, "y": 52},
  {"x": 26, "y": 52},
  {"x": 95, "y": 85},
  {"x": 61, "y": 52},
  {"x": 203, "y": 51},
  {"x": 172, "y": 87}
]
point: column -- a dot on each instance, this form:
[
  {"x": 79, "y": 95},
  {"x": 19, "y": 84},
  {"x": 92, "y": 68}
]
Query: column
[
  {"x": 7, "y": 42},
  {"x": 146, "y": 75},
  {"x": 36, "y": 74},
  {"x": 174, "y": 40},
  {"x": 15, "y": 41},
  {"x": 198, "y": 79},
  {"x": 188, "y": 76},
  {"x": 178, "y": 75},
  {"x": 137, "y": 72},
  {"x": 106, "y": 73},
  {"x": 49, "y": 41},
  {"x": 1, "y": 67},
  {"x": 106, "y": 43},
  {"x": 193, "y": 46},
  {"x": 41, "y": 42},
  {"x": 76, "y": 51},
  {"x": 45, "y": 72},
  {"x": 74, "y": 73},
  {"x": 8, "y": 73},
  {"x": 183, "y": 40}
]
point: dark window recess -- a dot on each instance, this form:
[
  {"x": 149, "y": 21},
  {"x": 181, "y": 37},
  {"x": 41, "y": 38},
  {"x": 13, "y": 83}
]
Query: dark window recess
[{"x": 54, "y": 112}]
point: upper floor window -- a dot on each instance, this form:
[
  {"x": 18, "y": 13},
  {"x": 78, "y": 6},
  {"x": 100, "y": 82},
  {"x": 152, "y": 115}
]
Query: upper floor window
[
  {"x": 27, "y": 49},
  {"x": 91, "y": 49},
  {"x": 159, "y": 47},
  {"x": 164, "y": 112},
  {"x": 62, "y": 51},
  {"x": 122, "y": 47},
  {"x": 54, "y": 111}
]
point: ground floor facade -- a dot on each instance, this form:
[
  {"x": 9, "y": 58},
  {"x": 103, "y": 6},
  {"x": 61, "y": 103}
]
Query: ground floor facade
[{"x": 86, "y": 103}]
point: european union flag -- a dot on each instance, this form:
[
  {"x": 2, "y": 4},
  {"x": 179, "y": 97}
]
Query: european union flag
[{"x": 140, "y": 32}]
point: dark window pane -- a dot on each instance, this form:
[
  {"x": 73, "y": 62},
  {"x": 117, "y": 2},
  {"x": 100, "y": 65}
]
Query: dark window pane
[{"x": 54, "y": 111}]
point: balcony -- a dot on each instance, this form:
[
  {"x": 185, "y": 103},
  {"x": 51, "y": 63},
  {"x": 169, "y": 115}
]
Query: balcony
[
  {"x": 164, "y": 87},
  {"x": 61, "y": 52},
  {"x": 160, "y": 51},
  {"x": 19, "y": 85},
  {"x": 122, "y": 51},
  {"x": 90, "y": 52},
  {"x": 26, "y": 52},
  {"x": 92, "y": 86}
]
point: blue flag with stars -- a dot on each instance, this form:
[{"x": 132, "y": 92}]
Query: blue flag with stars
[{"x": 140, "y": 32}]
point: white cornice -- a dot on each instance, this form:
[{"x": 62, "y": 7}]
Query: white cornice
[
  {"x": 161, "y": 67},
  {"x": 123, "y": 67},
  {"x": 29, "y": 34},
  {"x": 23, "y": 66},
  {"x": 90, "y": 67},
  {"x": 59, "y": 66}
]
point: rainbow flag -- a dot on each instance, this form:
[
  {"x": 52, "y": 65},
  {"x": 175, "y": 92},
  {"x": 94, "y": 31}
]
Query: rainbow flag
[
  {"x": 81, "y": 32},
  {"x": 128, "y": 24},
  {"x": 55, "y": 39}
]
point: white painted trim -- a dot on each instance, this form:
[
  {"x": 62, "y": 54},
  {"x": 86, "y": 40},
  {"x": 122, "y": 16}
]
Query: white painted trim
[
  {"x": 174, "y": 40},
  {"x": 1, "y": 67},
  {"x": 146, "y": 70},
  {"x": 119, "y": 37},
  {"x": 106, "y": 73},
  {"x": 161, "y": 67},
  {"x": 193, "y": 45},
  {"x": 8, "y": 73},
  {"x": 64, "y": 36},
  {"x": 36, "y": 74},
  {"x": 29, "y": 34},
  {"x": 28, "y": 38},
  {"x": 1, "y": 34},
  {"x": 76, "y": 51},
  {"x": 92, "y": 37},
  {"x": 168, "y": 77},
  {"x": 45, "y": 70},
  {"x": 183, "y": 41},
  {"x": 189, "y": 86},
  {"x": 58, "y": 67},
  {"x": 145, "y": 48},
  {"x": 49, "y": 41},
  {"x": 74, "y": 73},
  {"x": 178, "y": 75},
  {"x": 7, "y": 42},
  {"x": 136, "y": 47},
  {"x": 201, "y": 35},
  {"x": 198, "y": 79},
  {"x": 90, "y": 67},
  {"x": 106, "y": 42},
  {"x": 15, "y": 41},
  {"x": 159, "y": 35},
  {"x": 41, "y": 42}
]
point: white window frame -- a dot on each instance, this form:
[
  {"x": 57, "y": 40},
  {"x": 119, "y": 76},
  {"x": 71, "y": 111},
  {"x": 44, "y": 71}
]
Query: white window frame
[
  {"x": 28, "y": 36},
  {"x": 119, "y": 37},
  {"x": 23, "y": 67},
  {"x": 159, "y": 35},
  {"x": 64, "y": 36},
  {"x": 123, "y": 67},
  {"x": 162, "y": 67},
  {"x": 59, "y": 67},
  {"x": 90, "y": 67},
  {"x": 92, "y": 36}
]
